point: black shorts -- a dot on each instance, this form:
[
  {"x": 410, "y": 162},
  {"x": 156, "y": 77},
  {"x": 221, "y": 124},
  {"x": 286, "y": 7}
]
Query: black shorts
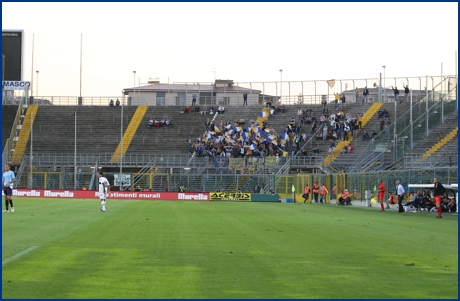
[{"x": 8, "y": 191}]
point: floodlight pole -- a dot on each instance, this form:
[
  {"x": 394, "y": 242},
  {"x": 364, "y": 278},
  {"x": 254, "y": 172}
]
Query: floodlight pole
[{"x": 121, "y": 142}]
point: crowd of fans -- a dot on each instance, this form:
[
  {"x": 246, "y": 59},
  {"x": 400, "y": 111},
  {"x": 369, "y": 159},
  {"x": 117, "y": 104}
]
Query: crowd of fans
[
  {"x": 155, "y": 122},
  {"x": 236, "y": 139},
  {"x": 204, "y": 111}
]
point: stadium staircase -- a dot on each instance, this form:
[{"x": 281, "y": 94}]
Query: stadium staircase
[
  {"x": 364, "y": 121},
  {"x": 129, "y": 133},
  {"x": 24, "y": 134},
  {"x": 441, "y": 143},
  {"x": 8, "y": 117}
]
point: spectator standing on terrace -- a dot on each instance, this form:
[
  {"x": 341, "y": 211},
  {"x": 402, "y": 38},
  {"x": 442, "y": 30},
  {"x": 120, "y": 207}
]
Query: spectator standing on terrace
[
  {"x": 245, "y": 98},
  {"x": 396, "y": 93},
  {"x": 357, "y": 94},
  {"x": 437, "y": 194},
  {"x": 117, "y": 103},
  {"x": 189, "y": 144},
  {"x": 343, "y": 98},
  {"x": 7, "y": 183},
  {"x": 381, "y": 194},
  {"x": 336, "y": 100},
  {"x": 406, "y": 92},
  {"x": 323, "y": 105},
  {"x": 365, "y": 95},
  {"x": 400, "y": 192},
  {"x": 111, "y": 103},
  {"x": 194, "y": 99},
  {"x": 272, "y": 112},
  {"x": 104, "y": 189},
  {"x": 207, "y": 125},
  {"x": 382, "y": 124}
]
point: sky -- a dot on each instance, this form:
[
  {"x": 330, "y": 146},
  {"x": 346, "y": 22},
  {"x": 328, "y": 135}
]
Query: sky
[{"x": 246, "y": 42}]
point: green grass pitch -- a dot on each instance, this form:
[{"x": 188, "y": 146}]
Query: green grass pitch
[{"x": 68, "y": 248}]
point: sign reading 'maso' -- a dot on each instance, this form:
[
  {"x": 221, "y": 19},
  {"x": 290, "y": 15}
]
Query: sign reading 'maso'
[
  {"x": 15, "y": 85},
  {"x": 118, "y": 195}
]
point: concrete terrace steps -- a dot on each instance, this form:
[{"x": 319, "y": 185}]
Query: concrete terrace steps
[
  {"x": 373, "y": 124},
  {"x": 438, "y": 133},
  {"x": 98, "y": 129},
  {"x": 8, "y": 116},
  {"x": 372, "y": 111}
]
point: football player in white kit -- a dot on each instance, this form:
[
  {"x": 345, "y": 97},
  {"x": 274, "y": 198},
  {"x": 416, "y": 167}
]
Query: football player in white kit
[{"x": 104, "y": 189}]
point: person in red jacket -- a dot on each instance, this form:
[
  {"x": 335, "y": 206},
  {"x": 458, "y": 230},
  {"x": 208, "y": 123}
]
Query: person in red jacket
[
  {"x": 316, "y": 191},
  {"x": 323, "y": 191},
  {"x": 345, "y": 198},
  {"x": 306, "y": 193},
  {"x": 381, "y": 195},
  {"x": 437, "y": 196}
]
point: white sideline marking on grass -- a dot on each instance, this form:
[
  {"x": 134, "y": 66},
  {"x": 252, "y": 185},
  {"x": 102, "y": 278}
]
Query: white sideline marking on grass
[{"x": 19, "y": 254}]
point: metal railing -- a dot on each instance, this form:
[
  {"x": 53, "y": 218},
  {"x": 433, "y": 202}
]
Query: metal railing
[
  {"x": 442, "y": 159},
  {"x": 293, "y": 92},
  {"x": 281, "y": 184}
]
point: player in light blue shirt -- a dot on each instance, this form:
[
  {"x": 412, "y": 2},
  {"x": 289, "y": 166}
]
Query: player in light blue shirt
[{"x": 8, "y": 180}]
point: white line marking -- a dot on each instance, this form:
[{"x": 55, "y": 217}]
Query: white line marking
[{"x": 19, "y": 254}]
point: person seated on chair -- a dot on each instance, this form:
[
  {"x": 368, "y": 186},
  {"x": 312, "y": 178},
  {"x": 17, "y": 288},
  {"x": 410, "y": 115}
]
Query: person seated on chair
[
  {"x": 345, "y": 198},
  {"x": 374, "y": 134},
  {"x": 316, "y": 149},
  {"x": 366, "y": 136},
  {"x": 350, "y": 148}
]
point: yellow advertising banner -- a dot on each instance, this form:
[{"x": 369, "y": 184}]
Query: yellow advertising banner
[{"x": 236, "y": 196}]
